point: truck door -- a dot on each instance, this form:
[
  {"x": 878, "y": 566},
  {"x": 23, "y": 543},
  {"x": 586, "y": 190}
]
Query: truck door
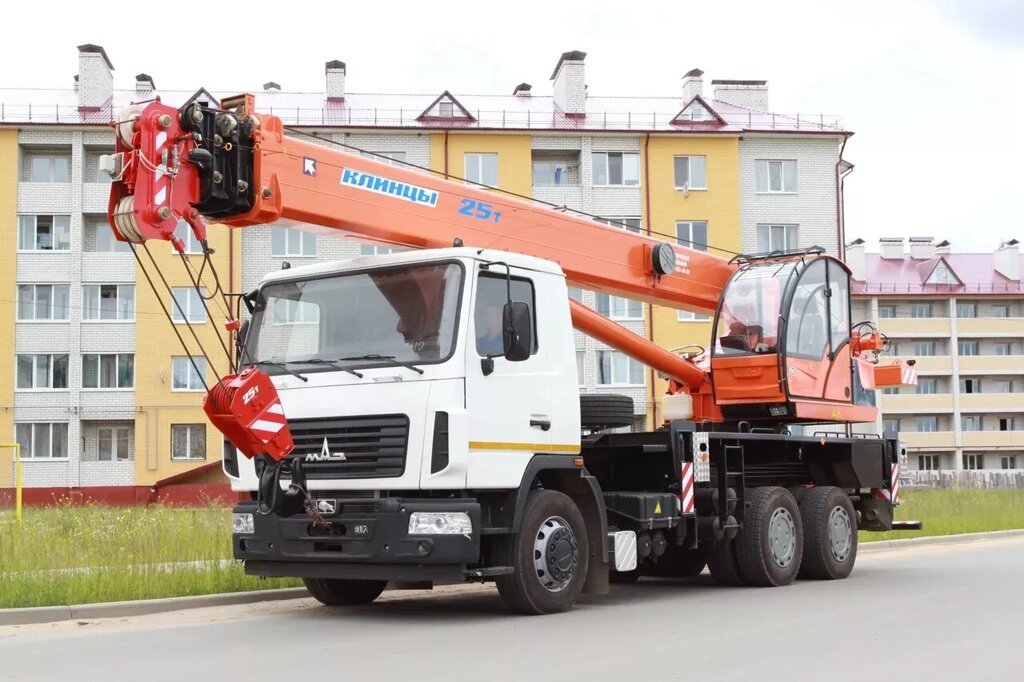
[{"x": 509, "y": 404}]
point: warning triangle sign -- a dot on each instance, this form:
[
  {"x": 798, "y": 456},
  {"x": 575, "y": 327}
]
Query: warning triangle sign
[{"x": 657, "y": 507}]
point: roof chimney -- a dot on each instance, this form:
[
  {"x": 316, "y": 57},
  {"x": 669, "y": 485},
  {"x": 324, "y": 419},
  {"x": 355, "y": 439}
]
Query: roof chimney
[
  {"x": 95, "y": 77},
  {"x": 746, "y": 94},
  {"x": 1007, "y": 260},
  {"x": 523, "y": 90},
  {"x": 570, "y": 90},
  {"x": 891, "y": 248},
  {"x": 335, "y": 71},
  {"x": 855, "y": 259},
  {"x": 942, "y": 248},
  {"x": 922, "y": 248},
  {"x": 693, "y": 85},
  {"x": 271, "y": 86},
  {"x": 144, "y": 83}
]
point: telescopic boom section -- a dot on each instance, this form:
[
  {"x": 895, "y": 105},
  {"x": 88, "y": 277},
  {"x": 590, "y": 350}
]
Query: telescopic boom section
[{"x": 239, "y": 168}]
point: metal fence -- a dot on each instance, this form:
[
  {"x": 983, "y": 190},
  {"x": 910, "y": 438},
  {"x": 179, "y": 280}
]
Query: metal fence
[
  {"x": 862, "y": 288},
  {"x": 951, "y": 479}
]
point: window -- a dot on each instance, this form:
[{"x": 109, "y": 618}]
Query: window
[
  {"x": 891, "y": 390},
  {"x": 482, "y": 168},
  {"x": 777, "y": 237},
  {"x": 942, "y": 275},
  {"x": 615, "y": 368},
  {"x": 691, "y": 172},
  {"x": 1009, "y": 462},
  {"x": 617, "y": 308},
  {"x": 44, "y": 233},
  {"x": 108, "y": 302},
  {"x": 287, "y": 311},
  {"x": 775, "y": 176},
  {"x": 1002, "y": 386},
  {"x": 967, "y": 348},
  {"x": 970, "y": 385},
  {"x": 928, "y": 423},
  {"x": 924, "y": 348},
  {"x": 630, "y": 224},
  {"x": 446, "y": 109},
  {"x": 927, "y": 386},
  {"x": 886, "y": 312},
  {"x": 1000, "y": 310},
  {"x": 692, "y": 234},
  {"x": 576, "y": 294},
  {"x": 184, "y": 232},
  {"x": 188, "y": 441},
  {"x": 188, "y": 305},
  {"x": 106, "y": 242},
  {"x": 43, "y": 301},
  {"x": 1004, "y": 348},
  {"x": 184, "y": 376},
  {"x": 49, "y": 168},
  {"x": 928, "y": 462},
  {"x": 114, "y": 443},
  {"x": 616, "y": 169},
  {"x": 378, "y": 249},
  {"x": 41, "y": 440},
  {"x": 891, "y": 425},
  {"x": 921, "y": 310},
  {"x": 580, "y": 356},
  {"x": 108, "y": 370},
  {"x": 966, "y": 309},
  {"x": 491, "y": 296},
  {"x": 555, "y": 169},
  {"x": 390, "y": 158},
  {"x": 42, "y": 371},
  {"x": 292, "y": 243},
  {"x": 687, "y": 316},
  {"x": 1006, "y": 423},
  {"x": 974, "y": 461},
  {"x": 971, "y": 422}
]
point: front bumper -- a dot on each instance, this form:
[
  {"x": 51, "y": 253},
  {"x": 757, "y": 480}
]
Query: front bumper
[{"x": 359, "y": 545}]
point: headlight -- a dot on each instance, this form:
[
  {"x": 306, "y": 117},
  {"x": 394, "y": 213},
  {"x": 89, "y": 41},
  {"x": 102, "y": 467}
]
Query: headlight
[
  {"x": 242, "y": 524},
  {"x": 440, "y": 523}
]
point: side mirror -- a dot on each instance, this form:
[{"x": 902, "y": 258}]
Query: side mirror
[
  {"x": 516, "y": 332},
  {"x": 240, "y": 335}
]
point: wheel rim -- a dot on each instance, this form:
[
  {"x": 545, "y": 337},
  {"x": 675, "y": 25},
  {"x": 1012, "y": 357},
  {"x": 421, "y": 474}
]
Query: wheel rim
[
  {"x": 840, "y": 533},
  {"x": 782, "y": 537},
  {"x": 555, "y": 554}
]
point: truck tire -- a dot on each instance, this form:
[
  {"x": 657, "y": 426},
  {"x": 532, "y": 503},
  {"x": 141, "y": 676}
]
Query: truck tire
[
  {"x": 678, "y": 563},
  {"x": 830, "y": 534},
  {"x": 549, "y": 556},
  {"x": 600, "y": 411},
  {"x": 337, "y": 592},
  {"x": 722, "y": 564},
  {"x": 770, "y": 545}
]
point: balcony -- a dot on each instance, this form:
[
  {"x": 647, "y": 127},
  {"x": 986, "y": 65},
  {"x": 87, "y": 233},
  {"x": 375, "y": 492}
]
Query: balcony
[
  {"x": 991, "y": 402},
  {"x": 932, "y": 364},
  {"x": 562, "y": 195},
  {"x": 925, "y": 327},
  {"x": 929, "y": 440},
  {"x": 992, "y": 439},
  {"x": 989, "y": 326},
  {"x": 107, "y": 267},
  {"x": 991, "y": 364},
  {"x": 95, "y": 197},
  {"x": 917, "y": 404}
]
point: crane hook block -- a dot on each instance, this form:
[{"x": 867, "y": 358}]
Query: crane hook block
[{"x": 247, "y": 410}]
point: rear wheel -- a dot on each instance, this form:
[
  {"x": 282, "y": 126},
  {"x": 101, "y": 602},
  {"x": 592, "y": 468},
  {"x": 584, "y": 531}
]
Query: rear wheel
[
  {"x": 830, "y": 534},
  {"x": 770, "y": 545},
  {"x": 549, "y": 556},
  {"x": 337, "y": 592}
]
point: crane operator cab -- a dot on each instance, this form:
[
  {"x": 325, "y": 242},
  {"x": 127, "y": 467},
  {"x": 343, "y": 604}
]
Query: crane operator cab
[{"x": 781, "y": 347}]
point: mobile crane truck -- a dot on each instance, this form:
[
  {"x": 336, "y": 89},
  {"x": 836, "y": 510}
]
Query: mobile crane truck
[{"x": 424, "y": 424}]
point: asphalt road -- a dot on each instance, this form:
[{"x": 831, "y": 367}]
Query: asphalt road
[{"x": 934, "y": 613}]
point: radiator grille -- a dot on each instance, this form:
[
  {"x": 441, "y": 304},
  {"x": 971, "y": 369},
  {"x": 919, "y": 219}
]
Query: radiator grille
[{"x": 352, "y": 447}]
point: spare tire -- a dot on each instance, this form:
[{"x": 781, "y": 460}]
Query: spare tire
[{"x": 605, "y": 411}]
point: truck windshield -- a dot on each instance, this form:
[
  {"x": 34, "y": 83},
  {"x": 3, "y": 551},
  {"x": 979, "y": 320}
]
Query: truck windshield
[
  {"x": 406, "y": 314},
  {"x": 749, "y": 318}
]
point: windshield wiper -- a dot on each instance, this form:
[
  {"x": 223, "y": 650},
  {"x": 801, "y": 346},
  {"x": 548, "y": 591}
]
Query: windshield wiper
[
  {"x": 282, "y": 366},
  {"x": 390, "y": 359},
  {"x": 331, "y": 363}
]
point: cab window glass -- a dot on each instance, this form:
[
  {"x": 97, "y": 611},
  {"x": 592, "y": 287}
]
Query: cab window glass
[
  {"x": 808, "y": 330},
  {"x": 491, "y": 296}
]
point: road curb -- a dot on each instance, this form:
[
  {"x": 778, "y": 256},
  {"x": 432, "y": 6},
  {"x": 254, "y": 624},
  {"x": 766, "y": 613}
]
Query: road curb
[
  {"x": 962, "y": 538},
  {"x": 144, "y": 607}
]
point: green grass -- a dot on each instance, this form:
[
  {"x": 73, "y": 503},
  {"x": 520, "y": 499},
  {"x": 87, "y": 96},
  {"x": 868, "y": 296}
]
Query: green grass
[
  {"x": 951, "y": 512},
  {"x": 79, "y": 555}
]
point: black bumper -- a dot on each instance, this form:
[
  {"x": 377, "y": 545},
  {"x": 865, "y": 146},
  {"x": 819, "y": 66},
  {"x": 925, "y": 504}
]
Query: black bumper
[{"x": 361, "y": 545}]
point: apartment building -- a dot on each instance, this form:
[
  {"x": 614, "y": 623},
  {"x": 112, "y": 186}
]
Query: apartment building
[
  {"x": 112, "y": 401},
  {"x": 960, "y": 316}
]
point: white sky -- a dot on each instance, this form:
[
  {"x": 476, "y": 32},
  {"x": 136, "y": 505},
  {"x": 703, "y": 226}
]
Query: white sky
[{"x": 933, "y": 90}]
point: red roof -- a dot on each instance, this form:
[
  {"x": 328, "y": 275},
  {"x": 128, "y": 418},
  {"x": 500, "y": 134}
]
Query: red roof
[{"x": 902, "y": 276}]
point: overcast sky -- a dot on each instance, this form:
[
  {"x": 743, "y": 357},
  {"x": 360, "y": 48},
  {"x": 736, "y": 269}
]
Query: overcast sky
[{"x": 933, "y": 90}]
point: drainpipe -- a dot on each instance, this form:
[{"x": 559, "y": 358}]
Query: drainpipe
[
  {"x": 446, "y": 154},
  {"x": 650, "y": 306},
  {"x": 840, "y": 201}
]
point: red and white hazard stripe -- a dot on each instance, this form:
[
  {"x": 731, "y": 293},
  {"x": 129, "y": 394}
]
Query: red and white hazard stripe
[
  {"x": 892, "y": 493},
  {"x": 270, "y": 422},
  {"x": 909, "y": 375},
  {"x": 686, "y": 489}
]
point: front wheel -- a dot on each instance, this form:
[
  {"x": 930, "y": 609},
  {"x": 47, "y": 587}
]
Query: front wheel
[
  {"x": 338, "y": 592},
  {"x": 549, "y": 556}
]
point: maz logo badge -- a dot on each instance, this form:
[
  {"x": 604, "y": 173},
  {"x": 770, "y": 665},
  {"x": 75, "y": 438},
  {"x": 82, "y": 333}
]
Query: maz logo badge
[{"x": 325, "y": 455}]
